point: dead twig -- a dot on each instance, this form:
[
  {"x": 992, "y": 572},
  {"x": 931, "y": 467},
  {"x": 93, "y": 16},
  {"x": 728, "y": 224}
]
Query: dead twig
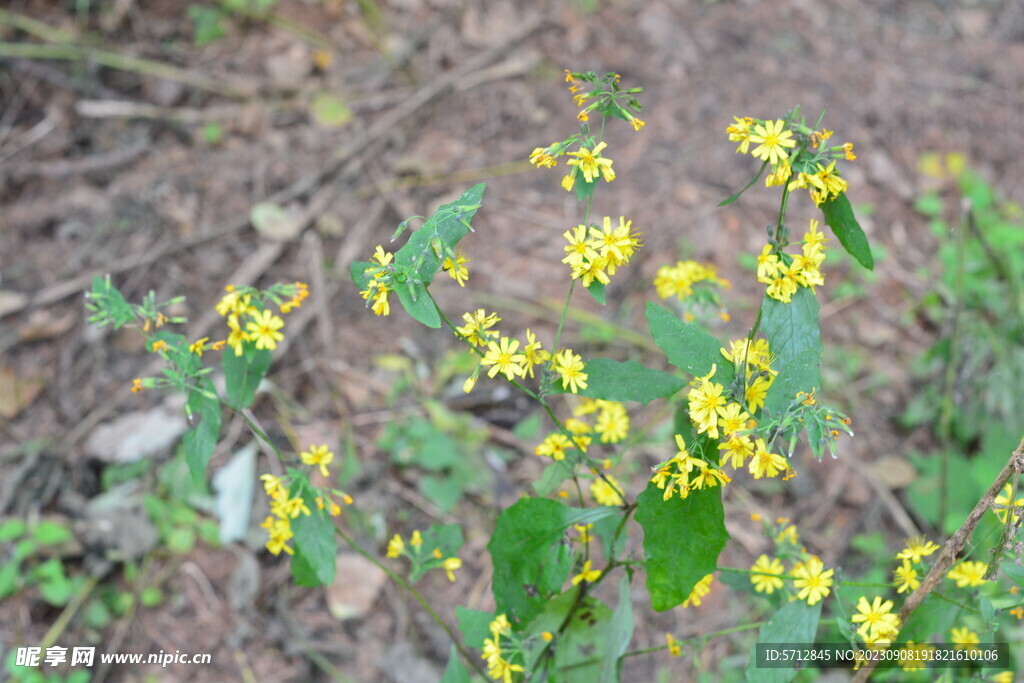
[
  {"x": 95, "y": 163},
  {"x": 947, "y": 556}
]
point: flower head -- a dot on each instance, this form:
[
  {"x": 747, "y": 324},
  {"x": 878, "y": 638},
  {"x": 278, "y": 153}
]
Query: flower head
[
  {"x": 502, "y": 357},
  {"x": 706, "y": 404},
  {"x": 591, "y": 163},
  {"x": 876, "y": 619},
  {"x": 318, "y": 455},
  {"x": 765, "y": 574},
  {"x": 813, "y": 580},
  {"x": 570, "y": 367},
  {"x": 607, "y": 491},
  {"x": 263, "y": 329},
  {"x": 700, "y": 589},
  {"x": 916, "y": 548},
  {"x": 968, "y": 574},
  {"x": 905, "y": 578},
  {"x": 772, "y": 141},
  {"x": 586, "y": 574}
]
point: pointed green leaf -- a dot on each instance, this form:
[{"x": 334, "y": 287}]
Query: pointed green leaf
[
  {"x": 578, "y": 655},
  {"x": 418, "y": 303},
  {"x": 455, "y": 671},
  {"x": 583, "y": 188},
  {"x": 682, "y": 540},
  {"x": 613, "y": 380},
  {"x": 530, "y": 560},
  {"x": 530, "y": 556},
  {"x": 597, "y": 290},
  {"x": 474, "y": 625},
  {"x": 687, "y": 346},
  {"x": 796, "y": 622},
  {"x": 839, "y": 216},
  {"x": 617, "y": 634},
  {"x": 315, "y": 543},
  {"x": 243, "y": 374},
  {"x": 449, "y": 224},
  {"x": 200, "y": 441},
  {"x": 795, "y": 340}
]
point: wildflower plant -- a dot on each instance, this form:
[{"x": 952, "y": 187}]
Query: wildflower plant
[{"x": 740, "y": 408}]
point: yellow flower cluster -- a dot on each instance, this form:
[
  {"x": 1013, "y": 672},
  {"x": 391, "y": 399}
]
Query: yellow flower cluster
[
  {"x": 396, "y": 548},
  {"x": 729, "y": 422},
  {"x": 261, "y": 325},
  {"x": 607, "y": 491},
  {"x": 685, "y": 472},
  {"x": 498, "y": 666},
  {"x": 378, "y": 290},
  {"x": 594, "y": 254},
  {"x": 611, "y": 426},
  {"x": 283, "y": 509},
  {"x": 591, "y": 164},
  {"x": 774, "y": 143},
  {"x": 678, "y": 280},
  {"x": 784, "y": 277},
  {"x": 502, "y": 354}
]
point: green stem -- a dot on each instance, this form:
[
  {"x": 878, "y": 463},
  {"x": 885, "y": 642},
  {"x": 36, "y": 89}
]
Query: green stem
[
  {"x": 714, "y": 634},
  {"x": 406, "y": 586}
]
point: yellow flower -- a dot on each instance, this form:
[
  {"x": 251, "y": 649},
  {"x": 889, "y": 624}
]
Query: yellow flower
[
  {"x": 964, "y": 638},
  {"x": 636, "y": 123},
  {"x": 197, "y": 347},
  {"x": 417, "y": 539},
  {"x": 159, "y": 345},
  {"x": 765, "y": 464},
  {"x": 968, "y": 574},
  {"x": 553, "y": 446},
  {"x": 612, "y": 422},
  {"x": 450, "y": 565},
  {"x": 706, "y": 404},
  {"x": 702, "y": 588},
  {"x": 274, "y": 487},
  {"x": 137, "y": 385},
  {"x": 457, "y": 270},
  {"x": 502, "y": 357},
  {"x": 395, "y": 546},
  {"x": 264, "y": 330},
  {"x": 813, "y": 580},
  {"x": 570, "y": 367},
  {"x": 587, "y": 574},
  {"x": 876, "y": 619},
  {"x": 318, "y": 455},
  {"x": 533, "y": 354},
  {"x": 590, "y": 163},
  {"x": 916, "y": 548},
  {"x": 740, "y": 132},
  {"x": 477, "y": 328},
  {"x": 607, "y": 491},
  {"x": 765, "y": 576},
  {"x": 905, "y": 578},
  {"x": 1004, "y": 500},
  {"x": 673, "y": 645},
  {"x": 772, "y": 141},
  {"x": 540, "y": 158}
]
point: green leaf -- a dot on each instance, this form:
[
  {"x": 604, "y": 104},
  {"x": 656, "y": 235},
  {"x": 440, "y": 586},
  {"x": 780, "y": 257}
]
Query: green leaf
[
  {"x": 795, "y": 340},
  {"x": 583, "y": 188},
  {"x": 553, "y": 475},
  {"x": 243, "y": 374},
  {"x": 10, "y": 573},
  {"x": 109, "y": 298},
  {"x": 613, "y": 380},
  {"x": 455, "y": 671},
  {"x": 933, "y": 617},
  {"x": 200, "y": 441},
  {"x": 449, "y": 224},
  {"x": 1014, "y": 572},
  {"x": 358, "y": 272},
  {"x": 578, "y": 656},
  {"x": 682, "y": 540},
  {"x": 687, "y": 346},
  {"x": 447, "y": 538},
  {"x": 474, "y": 625},
  {"x": 418, "y": 303},
  {"x": 597, "y": 290},
  {"x": 207, "y": 24},
  {"x": 11, "y": 529},
  {"x": 730, "y": 200},
  {"x": 796, "y": 622},
  {"x": 51, "y": 533},
  {"x": 315, "y": 544},
  {"x": 617, "y": 634},
  {"x": 530, "y": 561},
  {"x": 839, "y": 216}
]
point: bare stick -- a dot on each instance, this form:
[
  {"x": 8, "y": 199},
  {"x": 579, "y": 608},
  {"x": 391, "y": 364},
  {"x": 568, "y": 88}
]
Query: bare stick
[{"x": 953, "y": 546}]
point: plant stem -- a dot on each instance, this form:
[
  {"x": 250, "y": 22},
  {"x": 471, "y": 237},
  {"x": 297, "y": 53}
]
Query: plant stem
[{"x": 406, "y": 586}]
